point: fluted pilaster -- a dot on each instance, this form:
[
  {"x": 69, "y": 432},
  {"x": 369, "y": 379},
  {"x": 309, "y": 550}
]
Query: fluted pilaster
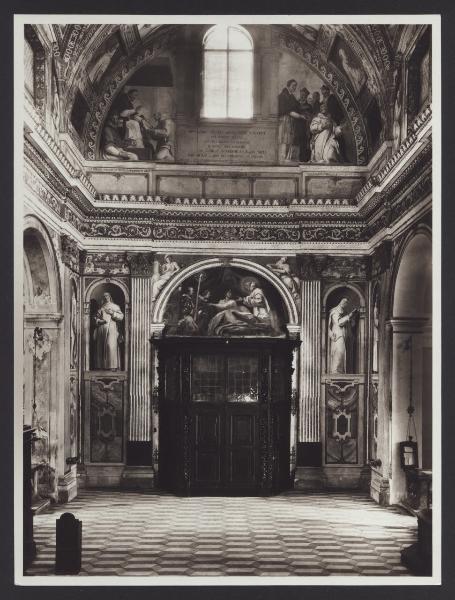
[
  {"x": 310, "y": 363},
  {"x": 140, "y": 427}
]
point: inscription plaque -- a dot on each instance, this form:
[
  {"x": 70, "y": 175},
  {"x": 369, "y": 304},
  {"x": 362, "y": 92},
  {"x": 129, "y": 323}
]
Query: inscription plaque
[{"x": 234, "y": 144}]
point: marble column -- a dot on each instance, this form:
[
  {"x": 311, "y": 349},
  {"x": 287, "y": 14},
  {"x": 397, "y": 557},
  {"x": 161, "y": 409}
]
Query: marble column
[
  {"x": 310, "y": 363},
  {"x": 139, "y": 427}
]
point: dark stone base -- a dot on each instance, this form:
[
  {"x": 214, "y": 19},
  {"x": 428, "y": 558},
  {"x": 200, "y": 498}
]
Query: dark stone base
[
  {"x": 138, "y": 478},
  {"x": 309, "y": 454},
  {"x": 139, "y": 454}
]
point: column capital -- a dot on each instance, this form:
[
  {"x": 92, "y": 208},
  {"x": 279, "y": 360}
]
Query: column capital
[{"x": 141, "y": 263}]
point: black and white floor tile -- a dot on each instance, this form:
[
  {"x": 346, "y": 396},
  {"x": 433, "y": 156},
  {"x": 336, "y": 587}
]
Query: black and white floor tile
[{"x": 154, "y": 534}]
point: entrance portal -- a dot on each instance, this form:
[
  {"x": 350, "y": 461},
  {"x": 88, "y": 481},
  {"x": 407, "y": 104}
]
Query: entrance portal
[{"x": 225, "y": 415}]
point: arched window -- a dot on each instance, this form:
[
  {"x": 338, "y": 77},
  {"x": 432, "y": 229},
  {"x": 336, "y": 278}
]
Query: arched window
[{"x": 228, "y": 73}]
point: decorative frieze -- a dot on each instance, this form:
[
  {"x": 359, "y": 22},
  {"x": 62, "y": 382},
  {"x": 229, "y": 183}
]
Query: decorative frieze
[
  {"x": 141, "y": 263},
  {"x": 231, "y": 202},
  {"x": 346, "y": 268},
  {"x": 105, "y": 263}
]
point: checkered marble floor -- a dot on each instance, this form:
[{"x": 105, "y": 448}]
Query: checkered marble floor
[{"x": 148, "y": 534}]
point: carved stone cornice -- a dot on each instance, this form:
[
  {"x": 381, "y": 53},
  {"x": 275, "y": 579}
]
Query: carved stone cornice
[
  {"x": 243, "y": 203},
  {"x": 70, "y": 253},
  {"x": 399, "y": 155},
  {"x": 141, "y": 263}
]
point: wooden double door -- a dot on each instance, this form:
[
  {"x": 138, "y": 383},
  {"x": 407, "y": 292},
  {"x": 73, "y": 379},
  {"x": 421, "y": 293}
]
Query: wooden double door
[{"x": 225, "y": 416}]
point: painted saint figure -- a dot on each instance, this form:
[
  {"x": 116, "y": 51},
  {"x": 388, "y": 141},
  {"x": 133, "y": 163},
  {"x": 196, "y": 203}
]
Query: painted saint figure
[
  {"x": 289, "y": 113},
  {"x": 340, "y": 338},
  {"x": 106, "y": 335},
  {"x": 167, "y": 270},
  {"x": 325, "y": 147}
]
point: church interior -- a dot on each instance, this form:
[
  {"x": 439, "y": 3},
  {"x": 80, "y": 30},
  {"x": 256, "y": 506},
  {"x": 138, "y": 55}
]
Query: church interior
[{"x": 227, "y": 298}]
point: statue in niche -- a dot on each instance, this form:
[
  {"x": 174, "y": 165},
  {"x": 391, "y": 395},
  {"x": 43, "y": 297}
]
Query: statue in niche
[
  {"x": 283, "y": 269},
  {"x": 166, "y": 270},
  {"x": 341, "y": 338},
  {"x": 106, "y": 335},
  {"x": 73, "y": 330},
  {"x": 375, "y": 334}
]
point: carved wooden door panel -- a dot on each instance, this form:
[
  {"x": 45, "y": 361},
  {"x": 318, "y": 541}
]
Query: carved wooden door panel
[{"x": 225, "y": 418}]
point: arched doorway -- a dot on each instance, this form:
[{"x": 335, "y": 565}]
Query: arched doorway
[
  {"x": 412, "y": 358},
  {"x": 225, "y": 373}
]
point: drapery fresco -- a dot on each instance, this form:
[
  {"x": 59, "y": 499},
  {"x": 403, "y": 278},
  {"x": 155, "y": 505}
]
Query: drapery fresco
[{"x": 225, "y": 302}]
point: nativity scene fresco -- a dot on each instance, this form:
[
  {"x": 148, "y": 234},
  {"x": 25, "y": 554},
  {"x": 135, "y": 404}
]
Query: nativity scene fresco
[{"x": 225, "y": 302}]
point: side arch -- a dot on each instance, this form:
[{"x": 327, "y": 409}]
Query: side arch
[
  {"x": 34, "y": 228},
  {"x": 163, "y": 298}
]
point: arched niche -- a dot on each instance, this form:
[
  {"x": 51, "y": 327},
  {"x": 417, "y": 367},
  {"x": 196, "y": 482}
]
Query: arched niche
[
  {"x": 345, "y": 354},
  {"x": 42, "y": 290},
  {"x": 412, "y": 290},
  {"x": 93, "y": 301},
  {"x": 225, "y": 301},
  {"x": 290, "y": 307},
  {"x": 411, "y": 376}
]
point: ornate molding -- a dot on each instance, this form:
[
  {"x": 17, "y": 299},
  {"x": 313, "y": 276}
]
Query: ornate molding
[
  {"x": 339, "y": 86},
  {"x": 105, "y": 263},
  {"x": 404, "y": 148},
  {"x": 255, "y": 202},
  {"x": 141, "y": 263},
  {"x": 346, "y": 268}
]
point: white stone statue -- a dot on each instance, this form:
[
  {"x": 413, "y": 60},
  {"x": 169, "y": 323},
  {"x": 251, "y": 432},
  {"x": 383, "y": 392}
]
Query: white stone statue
[
  {"x": 341, "y": 339},
  {"x": 167, "y": 270},
  {"x": 283, "y": 269},
  {"x": 107, "y": 351}
]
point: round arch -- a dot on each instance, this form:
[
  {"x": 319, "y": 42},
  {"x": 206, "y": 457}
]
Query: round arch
[
  {"x": 101, "y": 280},
  {"x": 163, "y": 298},
  {"x": 413, "y": 269},
  {"x": 339, "y": 285},
  {"x": 34, "y": 227}
]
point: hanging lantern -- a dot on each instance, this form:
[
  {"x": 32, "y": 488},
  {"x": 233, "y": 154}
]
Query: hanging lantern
[{"x": 409, "y": 455}]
